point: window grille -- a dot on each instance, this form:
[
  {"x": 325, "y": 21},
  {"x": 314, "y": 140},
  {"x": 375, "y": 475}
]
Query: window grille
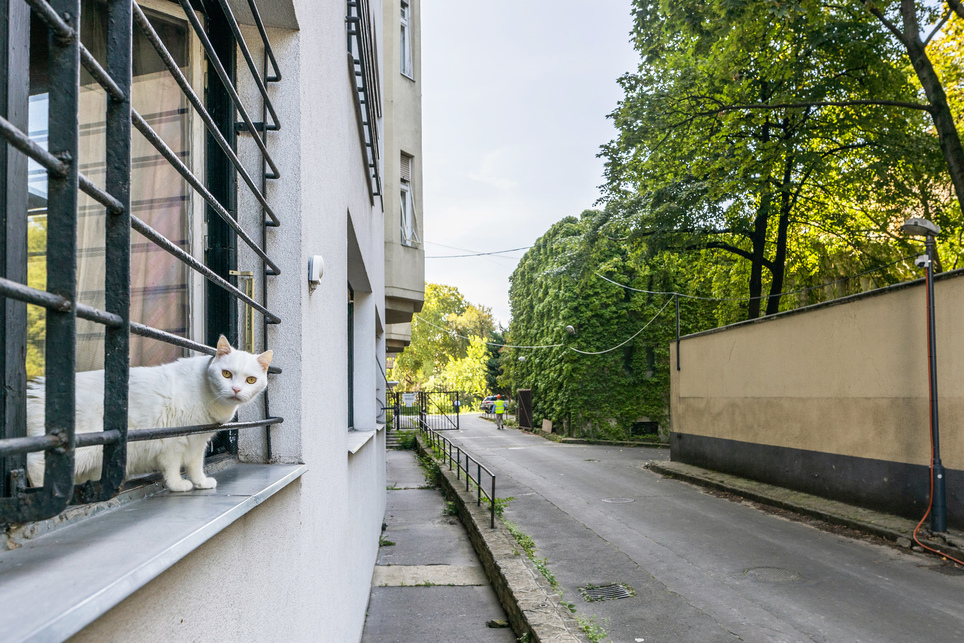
[
  {"x": 362, "y": 61},
  {"x": 220, "y": 36}
]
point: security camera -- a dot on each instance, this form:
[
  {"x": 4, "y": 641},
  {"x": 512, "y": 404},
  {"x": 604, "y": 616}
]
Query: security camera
[{"x": 922, "y": 261}]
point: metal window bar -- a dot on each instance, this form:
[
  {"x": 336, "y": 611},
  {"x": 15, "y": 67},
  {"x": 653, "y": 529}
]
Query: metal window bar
[
  {"x": 443, "y": 447},
  {"x": 62, "y": 18},
  {"x": 362, "y": 62}
]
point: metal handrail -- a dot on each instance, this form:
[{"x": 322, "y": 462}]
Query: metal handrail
[{"x": 439, "y": 443}]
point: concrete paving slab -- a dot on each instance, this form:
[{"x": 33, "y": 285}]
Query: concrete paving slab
[
  {"x": 428, "y": 575},
  {"x": 429, "y": 547},
  {"x": 403, "y": 471},
  {"x": 434, "y": 615}
]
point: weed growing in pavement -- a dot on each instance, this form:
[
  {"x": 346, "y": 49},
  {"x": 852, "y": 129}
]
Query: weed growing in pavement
[
  {"x": 594, "y": 632},
  {"x": 384, "y": 542},
  {"x": 450, "y": 509},
  {"x": 406, "y": 440},
  {"x": 430, "y": 470},
  {"x": 529, "y": 547},
  {"x": 500, "y": 504}
]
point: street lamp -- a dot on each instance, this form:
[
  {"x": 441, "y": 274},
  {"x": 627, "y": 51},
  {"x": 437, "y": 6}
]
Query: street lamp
[{"x": 918, "y": 227}]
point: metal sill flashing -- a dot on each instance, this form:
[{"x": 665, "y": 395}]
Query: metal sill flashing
[
  {"x": 358, "y": 439},
  {"x": 60, "y": 582}
]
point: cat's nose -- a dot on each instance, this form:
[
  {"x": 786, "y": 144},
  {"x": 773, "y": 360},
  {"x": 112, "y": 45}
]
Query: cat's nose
[{"x": 235, "y": 389}]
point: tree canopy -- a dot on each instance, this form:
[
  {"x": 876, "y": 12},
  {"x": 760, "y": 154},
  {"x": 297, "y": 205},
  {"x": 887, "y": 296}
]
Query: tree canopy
[{"x": 448, "y": 349}]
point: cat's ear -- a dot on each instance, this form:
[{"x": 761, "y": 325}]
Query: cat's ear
[
  {"x": 224, "y": 346},
  {"x": 265, "y": 359}
]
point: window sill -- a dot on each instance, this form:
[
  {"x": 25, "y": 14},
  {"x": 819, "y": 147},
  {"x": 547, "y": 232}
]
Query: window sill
[
  {"x": 49, "y": 586},
  {"x": 358, "y": 439}
]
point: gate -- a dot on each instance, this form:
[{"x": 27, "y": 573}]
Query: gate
[{"x": 436, "y": 410}]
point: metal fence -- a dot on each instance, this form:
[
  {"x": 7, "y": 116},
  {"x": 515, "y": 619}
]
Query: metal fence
[
  {"x": 463, "y": 464},
  {"x": 437, "y": 410},
  {"x": 221, "y": 37}
]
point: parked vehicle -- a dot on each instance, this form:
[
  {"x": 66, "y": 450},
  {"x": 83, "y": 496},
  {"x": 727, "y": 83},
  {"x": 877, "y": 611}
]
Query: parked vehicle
[{"x": 488, "y": 404}]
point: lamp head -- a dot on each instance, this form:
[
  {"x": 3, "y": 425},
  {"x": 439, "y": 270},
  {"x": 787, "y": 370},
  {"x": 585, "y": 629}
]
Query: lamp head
[
  {"x": 571, "y": 330},
  {"x": 917, "y": 227}
]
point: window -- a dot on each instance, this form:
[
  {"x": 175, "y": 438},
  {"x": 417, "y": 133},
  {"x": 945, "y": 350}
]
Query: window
[
  {"x": 408, "y": 221},
  {"x": 407, "y": 66},
  {"x": 161, "y": 293},
  {"x": 114, "y": 221}
]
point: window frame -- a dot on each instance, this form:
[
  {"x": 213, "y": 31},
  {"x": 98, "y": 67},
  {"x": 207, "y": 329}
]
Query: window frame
[
  {"x": 18, "y": 503},
  {"x": 406, "y": 58},
  {"x": 408, "y": 215}
]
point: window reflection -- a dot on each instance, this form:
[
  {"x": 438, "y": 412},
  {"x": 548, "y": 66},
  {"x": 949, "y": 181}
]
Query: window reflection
[{"x": 159, "y": 283}]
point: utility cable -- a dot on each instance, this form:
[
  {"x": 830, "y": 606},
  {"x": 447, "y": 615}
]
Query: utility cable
[
  {"x": 454, "y": 334},
  {"x": 480, "y": 254},
  {"x": 792, "y": 292},
  {"x": 628, "y": 340},
  {"x": 575, "y": 350}
]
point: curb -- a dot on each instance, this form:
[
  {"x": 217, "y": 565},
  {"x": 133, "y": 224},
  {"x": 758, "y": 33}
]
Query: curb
[
  {"x": 533, "y": 608},
  {"x": 616, "y": 443},
  {"x": 830, "y": 511}
]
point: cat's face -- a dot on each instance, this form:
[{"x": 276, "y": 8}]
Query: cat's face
[{"x": 237, "y": 376}]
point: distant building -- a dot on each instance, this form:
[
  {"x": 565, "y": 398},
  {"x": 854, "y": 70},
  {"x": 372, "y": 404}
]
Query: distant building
[
  {"x": 252, "y": 165},
  {"x": 404, "y": 234}
]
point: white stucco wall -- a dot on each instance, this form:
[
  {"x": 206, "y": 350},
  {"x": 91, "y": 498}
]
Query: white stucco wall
[{"x": 298, "y": 567}]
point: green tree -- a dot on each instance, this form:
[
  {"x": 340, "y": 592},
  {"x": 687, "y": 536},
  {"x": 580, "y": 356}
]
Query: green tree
[
  {"x": 739, "y": 122},
  {"x": 448, "y": 349}
]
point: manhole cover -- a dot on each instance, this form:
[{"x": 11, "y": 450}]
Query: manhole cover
[
  {"x": 771, "y": 574},
  {"x": 619, "y": 501},
  {"x": 610, "y": 592}
]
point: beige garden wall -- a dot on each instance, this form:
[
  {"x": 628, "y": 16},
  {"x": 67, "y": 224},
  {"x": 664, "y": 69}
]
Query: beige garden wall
[{"x": 847, "y": 378}]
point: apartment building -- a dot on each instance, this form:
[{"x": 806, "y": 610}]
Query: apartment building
[
  {"x": 404, "y": 233},
  {"x": 175, "y": 171}
]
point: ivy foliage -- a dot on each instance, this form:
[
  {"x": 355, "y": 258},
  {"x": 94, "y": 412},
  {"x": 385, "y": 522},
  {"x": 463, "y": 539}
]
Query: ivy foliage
[{"x": 556, "y": 285}]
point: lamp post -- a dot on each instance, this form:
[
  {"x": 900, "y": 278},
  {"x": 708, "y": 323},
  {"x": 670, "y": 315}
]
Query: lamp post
[{"x": 923, "y": 228}]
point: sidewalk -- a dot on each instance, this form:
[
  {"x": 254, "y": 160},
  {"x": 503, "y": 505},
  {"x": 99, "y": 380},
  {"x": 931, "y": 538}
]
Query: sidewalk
[
  {"x": 889, "y": 527},
  {"x": 428, "y": 584}
]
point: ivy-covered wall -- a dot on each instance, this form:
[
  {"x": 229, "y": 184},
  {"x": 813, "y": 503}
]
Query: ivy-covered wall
[{"x": 556, "y": 285}]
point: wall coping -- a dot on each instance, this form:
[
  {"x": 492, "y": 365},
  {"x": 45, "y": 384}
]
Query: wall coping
[{"x": 904, "y": 285}]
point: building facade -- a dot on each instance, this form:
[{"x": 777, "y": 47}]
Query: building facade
[
  {"x": 404, "y": 233},
  {"x": 233, "y": 161}
]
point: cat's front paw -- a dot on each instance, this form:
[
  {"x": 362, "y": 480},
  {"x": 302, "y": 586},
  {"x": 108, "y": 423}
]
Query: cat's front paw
[
  {"x": 180, "y": 485},
  {"x": 206, "y": 483}
]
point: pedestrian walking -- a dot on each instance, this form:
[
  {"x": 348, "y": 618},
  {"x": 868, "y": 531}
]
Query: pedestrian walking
[{"x": 499, "y": 411}]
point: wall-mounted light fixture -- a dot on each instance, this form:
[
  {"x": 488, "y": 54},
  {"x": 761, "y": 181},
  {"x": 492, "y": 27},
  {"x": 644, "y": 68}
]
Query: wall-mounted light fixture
[{"x": 316, "y": 270}]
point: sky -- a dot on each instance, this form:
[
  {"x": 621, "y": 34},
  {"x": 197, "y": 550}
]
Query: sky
[{"x": 515, "y": 96}]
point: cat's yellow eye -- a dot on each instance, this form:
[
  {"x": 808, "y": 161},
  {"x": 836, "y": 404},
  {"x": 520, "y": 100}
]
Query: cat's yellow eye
[
  {"x": 251, "y": 380},
  {"x": 227, "y": 374}
]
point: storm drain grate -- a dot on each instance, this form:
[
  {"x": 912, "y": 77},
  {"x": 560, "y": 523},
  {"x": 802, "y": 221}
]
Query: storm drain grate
[
  {"x": 609, "y": 592},
  {"x": 771, "y": 574},
  {"x": 619, "y": 501}
]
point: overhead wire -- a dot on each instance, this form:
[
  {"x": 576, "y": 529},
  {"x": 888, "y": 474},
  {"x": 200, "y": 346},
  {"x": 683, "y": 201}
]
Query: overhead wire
[
  {"x": 575, "y": 350},
  {"x": 479, "y": 254},
  {"x": 782, "y": 294}
]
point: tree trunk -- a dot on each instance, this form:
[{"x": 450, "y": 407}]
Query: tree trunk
[
  {"x": 778, "y": 266},
  {"x": 759, "y": 240},
  {"x": 947, "y": 134}
]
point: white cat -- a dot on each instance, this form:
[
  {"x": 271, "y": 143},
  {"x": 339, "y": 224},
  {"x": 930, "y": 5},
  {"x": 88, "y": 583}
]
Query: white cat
[{"x": 192, "y": 390}]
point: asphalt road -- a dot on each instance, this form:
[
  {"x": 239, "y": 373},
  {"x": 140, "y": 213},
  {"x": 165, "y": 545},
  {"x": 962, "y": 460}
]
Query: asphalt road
[{"x": 704, "y": 568}]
